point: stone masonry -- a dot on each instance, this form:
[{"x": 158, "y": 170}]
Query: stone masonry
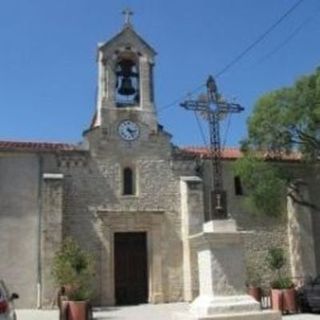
[{"x": 52, "y": 191}]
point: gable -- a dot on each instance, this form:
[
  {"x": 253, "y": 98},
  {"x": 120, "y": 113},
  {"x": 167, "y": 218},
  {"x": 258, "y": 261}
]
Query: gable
[{"x": 127, "y": 37}]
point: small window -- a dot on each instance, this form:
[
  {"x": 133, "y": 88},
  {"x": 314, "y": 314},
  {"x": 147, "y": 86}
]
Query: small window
[
  {"x": 128, "y": 181},
  {"x": 238, "y": 186},
  {"x": 151, "y": 86}
]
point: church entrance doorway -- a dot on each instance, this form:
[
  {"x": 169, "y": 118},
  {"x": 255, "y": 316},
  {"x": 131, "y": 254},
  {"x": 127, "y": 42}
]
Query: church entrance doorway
[{"x": 131, "y": 270}]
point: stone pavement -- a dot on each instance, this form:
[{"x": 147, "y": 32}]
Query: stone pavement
[{"x": 140, "y": 312}]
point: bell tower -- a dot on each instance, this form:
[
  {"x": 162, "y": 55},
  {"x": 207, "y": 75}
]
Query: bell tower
[{"x": 125, "y": 80}]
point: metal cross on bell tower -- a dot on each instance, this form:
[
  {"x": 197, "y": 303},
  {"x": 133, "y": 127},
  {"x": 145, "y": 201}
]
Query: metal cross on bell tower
[
  {"x": 213, "y": 107},
  {"x": 127, "y": 15}
]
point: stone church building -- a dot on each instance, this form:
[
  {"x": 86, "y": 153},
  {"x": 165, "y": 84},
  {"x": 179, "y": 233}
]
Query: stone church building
[{"x": 132, "y": 198}]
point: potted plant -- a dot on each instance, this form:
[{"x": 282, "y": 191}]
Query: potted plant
[
  {"x": 254, "y": 283},
  {"x": 283, "y": 295},
  {"x": 73, "y": 270}
]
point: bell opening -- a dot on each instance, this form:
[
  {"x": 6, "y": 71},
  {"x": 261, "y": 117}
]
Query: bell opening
[{"x": 127, "y": 85}]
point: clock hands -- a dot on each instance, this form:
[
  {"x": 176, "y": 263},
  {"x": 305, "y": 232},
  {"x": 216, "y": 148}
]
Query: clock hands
[
  {"x": 131, "y": 131},
  {"x": 128, "y": 130}
]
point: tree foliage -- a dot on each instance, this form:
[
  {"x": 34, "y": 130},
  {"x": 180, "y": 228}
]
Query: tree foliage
[
  {"x": 74, "y": 267},
  {"x": 288, "y": 119},
  {"x": 265, "y": 184},
  {"x": 276, "y": 260}
]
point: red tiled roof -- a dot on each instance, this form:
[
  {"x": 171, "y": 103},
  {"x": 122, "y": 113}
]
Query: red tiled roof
[
  {"x": 227, "y": 153},
  {"x": 35, "y": 146},
  {"x": 235, "y": 153}
]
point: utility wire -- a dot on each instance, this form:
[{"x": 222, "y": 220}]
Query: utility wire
[
  {"x": 274, "y": 51},
  {"x": 236, "y": 60},
  {"x": 279, "y": 47},
  {"x": 289, "y": 38},
  {"x": 226, "y": 132},
  {"x": 179, "y": 99},
  {"x": 239, "y": 56},
  {"x": 200, "y": 127},
  {"x": 203, "y": 136},
  {"x": 259, "y": 39}
]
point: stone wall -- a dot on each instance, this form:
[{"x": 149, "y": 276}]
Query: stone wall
[
  {"x": 51, "y": 231},
  {"x": 265, "y": 231},
  {"x": 94, "y": 208},
  {"x": 19, "y": 215},
  {"x": 87, "y": 204},
  {"x": 312, "y": 180}
]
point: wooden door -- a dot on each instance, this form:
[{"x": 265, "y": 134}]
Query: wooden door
[{"x": 130, "y": 266}]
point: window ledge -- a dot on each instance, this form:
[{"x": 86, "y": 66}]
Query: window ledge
[{"x": 129, "y": 196}]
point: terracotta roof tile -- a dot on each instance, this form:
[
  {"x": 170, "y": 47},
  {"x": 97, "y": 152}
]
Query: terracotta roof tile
[
  {"x": 235, "y": 153},
  {"x": 35, "y": 146},
  {"x": 227, "y": 153}
]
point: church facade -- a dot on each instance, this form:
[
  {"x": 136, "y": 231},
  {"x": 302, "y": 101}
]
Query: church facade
[{"x": 131, "y": 197}]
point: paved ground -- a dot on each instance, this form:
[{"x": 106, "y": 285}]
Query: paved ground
[{"x": 141, "y": 312}]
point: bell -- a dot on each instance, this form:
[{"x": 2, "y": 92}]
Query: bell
[
  {"x": 126, "y": 88},
  {"x": 126, "y": 67}
]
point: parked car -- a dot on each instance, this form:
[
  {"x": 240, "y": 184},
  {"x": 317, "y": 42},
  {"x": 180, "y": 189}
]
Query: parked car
[
  {"x": 7, "y": 310},
  {"x": 309, "y": 295}
]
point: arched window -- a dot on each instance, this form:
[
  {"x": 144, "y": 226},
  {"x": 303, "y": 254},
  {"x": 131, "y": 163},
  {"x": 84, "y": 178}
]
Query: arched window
[{"x": 128, "y": 181}]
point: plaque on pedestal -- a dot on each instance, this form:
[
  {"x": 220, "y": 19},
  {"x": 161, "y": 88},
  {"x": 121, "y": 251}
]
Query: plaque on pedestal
[{"x": 219, "y": 204}]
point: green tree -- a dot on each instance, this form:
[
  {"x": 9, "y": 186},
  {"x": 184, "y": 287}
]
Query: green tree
[
  {"x": 288, "y": 119},
  {"x": 74, "y": 267},
  {"x": 276, "y": 260},
  {"x": 282, "y": 121},
  {"x": 266, "y": 184}
]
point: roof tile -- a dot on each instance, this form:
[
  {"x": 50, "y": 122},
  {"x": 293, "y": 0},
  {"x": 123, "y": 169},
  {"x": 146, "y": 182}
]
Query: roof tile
[
  {"x": 227, "y": 153},
  {"x": 235, "y": 153},
  {"x": 35, "y": 146}
]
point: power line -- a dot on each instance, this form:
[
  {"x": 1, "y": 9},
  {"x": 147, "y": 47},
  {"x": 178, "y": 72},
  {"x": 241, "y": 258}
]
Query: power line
[
  {"x": 239, "y": 56},
  {"x": 179, "y": 99},
  {"x": 226, "y": 132},
  {"x": 292, "y": 35},
  {"x": 289, "y": 38},
  {"x": 259, "y": 39},
  {"x": 203, "y": 136}
]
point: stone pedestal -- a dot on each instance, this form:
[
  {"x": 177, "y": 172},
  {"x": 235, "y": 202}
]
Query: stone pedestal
[{"x": 222, "y": 276}]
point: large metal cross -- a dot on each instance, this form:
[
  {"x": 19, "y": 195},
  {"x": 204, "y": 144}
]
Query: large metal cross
[{"x": 213, "y": 107}]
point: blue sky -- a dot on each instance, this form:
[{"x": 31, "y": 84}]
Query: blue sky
[{"x": 48, "y": 67}]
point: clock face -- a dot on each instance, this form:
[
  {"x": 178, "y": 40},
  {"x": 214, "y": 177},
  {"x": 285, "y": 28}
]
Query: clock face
[{"x": 128, "y": 130}]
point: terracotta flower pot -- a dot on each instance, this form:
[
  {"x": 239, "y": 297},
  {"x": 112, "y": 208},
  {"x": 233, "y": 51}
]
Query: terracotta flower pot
[
  {"x": 276, "y": 299},
  {"x": 77, "y": 310},
  {"x": 284, "y": 300},
  {"x": 255, "y": 292},
  {"x": 63, "y": 310},
  {"x": 289, "y": 300}
]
